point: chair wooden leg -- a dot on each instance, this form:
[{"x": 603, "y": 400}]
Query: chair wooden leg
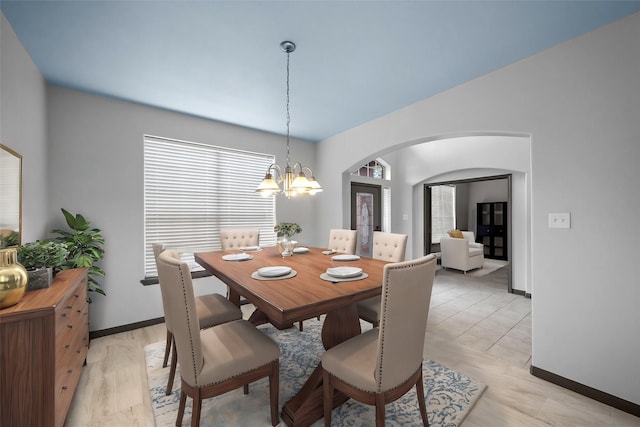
[
  {"x": 196, "y": 408},
  {"x": 245, "y": 389},
  {"x": 183, "y": 401},
  {"x": 421, "y": 403},
  {"x": 172, "y": 371},
  {"x": 327, "y": 401},
  {"x": 167, "y": 349},
  {"x": 300, "y": 326},
  {"x": 274, "y": 390},
  {"x": 380, "y": 415}
]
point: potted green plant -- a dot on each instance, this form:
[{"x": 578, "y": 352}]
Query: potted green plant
[
  {"x": 288, "y": 229},
  {"x": 85, "y": 248},
  {"x": 41, "y": 259}
]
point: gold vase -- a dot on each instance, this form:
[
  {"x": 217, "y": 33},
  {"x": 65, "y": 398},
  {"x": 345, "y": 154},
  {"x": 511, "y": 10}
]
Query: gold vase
[{"x": 13, "y": 278}]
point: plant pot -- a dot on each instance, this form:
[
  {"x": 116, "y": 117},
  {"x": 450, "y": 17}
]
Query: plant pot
[{"x": 39, "y": 278}]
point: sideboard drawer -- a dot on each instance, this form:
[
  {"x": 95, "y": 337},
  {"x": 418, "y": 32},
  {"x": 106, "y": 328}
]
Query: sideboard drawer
[{"x": 44, "y": 341}]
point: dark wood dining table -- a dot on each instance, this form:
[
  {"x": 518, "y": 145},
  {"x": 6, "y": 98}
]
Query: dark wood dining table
[{"x": 304, "y": 296}]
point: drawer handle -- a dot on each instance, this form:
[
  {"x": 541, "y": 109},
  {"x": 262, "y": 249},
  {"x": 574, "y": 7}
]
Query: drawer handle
[
  {"x": 64, "y": 314},
  {"x": 69, "y": 307},
  {"x": 70, "y": 326},
  {"x": 69, "y": 371},
  {"x": 88, "y": 300},
  {"x": 67, "y": 346},
  {"x": 64, "y": 387}
]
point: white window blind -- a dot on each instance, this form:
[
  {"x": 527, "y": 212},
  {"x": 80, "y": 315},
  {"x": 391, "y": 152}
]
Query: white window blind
[
  {"x": 443, "y": 211},
  {"x": 193, "y": 190}
]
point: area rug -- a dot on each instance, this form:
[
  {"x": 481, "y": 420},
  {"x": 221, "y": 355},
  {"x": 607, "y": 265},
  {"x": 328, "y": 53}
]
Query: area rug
[
  {"x": 490, "y": 265},
  {"x": 449, "y": 395}
]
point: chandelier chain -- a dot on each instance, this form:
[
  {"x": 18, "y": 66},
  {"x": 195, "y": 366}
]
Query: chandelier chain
[{"x": 288, "y": 112}]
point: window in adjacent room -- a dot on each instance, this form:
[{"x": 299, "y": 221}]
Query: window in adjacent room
[
  {"x": 373, "y": 169},
  {"x": 443, "y": 211},
  {"x": 192, "y": 190}
]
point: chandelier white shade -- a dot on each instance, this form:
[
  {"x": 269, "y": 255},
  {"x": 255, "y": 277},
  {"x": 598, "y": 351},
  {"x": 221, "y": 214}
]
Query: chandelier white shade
[{"x": 297, "y": 179}]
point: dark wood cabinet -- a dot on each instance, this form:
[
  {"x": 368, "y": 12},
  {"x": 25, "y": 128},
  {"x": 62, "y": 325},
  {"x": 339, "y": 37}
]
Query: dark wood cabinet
[
  {"x": 491, "y": 229},
  {"x": 44, "y": 341}
]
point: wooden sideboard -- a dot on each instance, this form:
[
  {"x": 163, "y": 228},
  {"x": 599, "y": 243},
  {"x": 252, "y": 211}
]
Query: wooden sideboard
[{"x": 44, "y": 341}]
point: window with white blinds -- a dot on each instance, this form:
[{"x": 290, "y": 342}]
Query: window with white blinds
[
  {"x": 193, "y": 190},
  {"x": 443, "y": 211}
]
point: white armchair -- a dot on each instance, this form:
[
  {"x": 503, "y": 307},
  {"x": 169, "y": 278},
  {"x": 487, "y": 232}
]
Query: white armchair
[{"x": 462, "y": 253}]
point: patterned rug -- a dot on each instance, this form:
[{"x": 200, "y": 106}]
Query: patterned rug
[{"x": 449, "y": 395}]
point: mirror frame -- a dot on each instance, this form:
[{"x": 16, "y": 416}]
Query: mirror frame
[{"x": 4, "y": 148}]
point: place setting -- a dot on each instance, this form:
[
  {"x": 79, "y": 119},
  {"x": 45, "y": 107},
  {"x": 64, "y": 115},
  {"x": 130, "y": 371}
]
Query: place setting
[
  {"x": 343, "y": 274},
  {"x": 276, "y": 272},
  {"x": 250, "y": 248},
  {"x": 345, "y": 257},
  {"x": 237, "y": 257}
]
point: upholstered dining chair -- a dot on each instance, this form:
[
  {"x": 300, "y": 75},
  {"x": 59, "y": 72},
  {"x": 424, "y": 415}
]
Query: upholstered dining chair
[
  {"x": 343, "y": 241},
  {"x": 382, "y": 364},
  {"x": 387, "y": 247},
  {"x": 211, "y": 309},
  {"x": 236, "y": 238},
  {"x": 219, "y": 359}
]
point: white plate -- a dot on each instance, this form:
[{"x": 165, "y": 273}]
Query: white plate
[
  {"x": 345, "y": 257},
  {"x": 274, "y": 271},
  {"x": 343, "y": 272},
  {"x": 250, "y": 248},
  {"x": 301, "y": 250},
  {"x": 236, "y": 257}
]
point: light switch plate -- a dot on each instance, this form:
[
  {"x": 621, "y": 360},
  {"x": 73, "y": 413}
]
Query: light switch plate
[{"x": 560, "y": 220}]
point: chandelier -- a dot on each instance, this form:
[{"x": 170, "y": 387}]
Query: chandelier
[{"x": 297, "y": 179}]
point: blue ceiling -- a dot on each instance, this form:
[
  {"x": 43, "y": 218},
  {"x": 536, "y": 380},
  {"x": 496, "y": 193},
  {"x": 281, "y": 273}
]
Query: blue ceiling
[{"x": 355, "y": 60}]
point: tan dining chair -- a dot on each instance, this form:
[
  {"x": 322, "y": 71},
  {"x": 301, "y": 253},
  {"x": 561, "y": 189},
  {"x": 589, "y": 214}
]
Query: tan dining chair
[
  {"x": 382, "y": 364},
  {"x": 219, "y": 359},
  {"x": 343, "y": 241},
  {"x": 211, "y": 309},
  {"x": 237, "y": 238},
  {"x": 387, "y": 247}
]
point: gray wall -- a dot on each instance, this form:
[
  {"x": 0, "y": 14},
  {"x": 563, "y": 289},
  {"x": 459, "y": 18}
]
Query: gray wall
[
  {"x": 578, "y": 103},
  {"x": 23, "y": 127},
  {"x": 96, "y": 165}
]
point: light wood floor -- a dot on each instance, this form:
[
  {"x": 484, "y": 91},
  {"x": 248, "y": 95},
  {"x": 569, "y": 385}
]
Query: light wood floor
[{"x": 475, "y": 327}]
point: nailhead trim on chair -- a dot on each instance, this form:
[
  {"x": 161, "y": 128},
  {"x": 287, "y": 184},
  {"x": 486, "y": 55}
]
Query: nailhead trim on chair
[
  {"x": 382, "y": 333},
  {"x": 237, "y": 375},
  {"x": 193, "y": 356},
  {"x": 386, "y": 297}
]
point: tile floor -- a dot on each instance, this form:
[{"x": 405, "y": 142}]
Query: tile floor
[{"x": 474, "y": 326}]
